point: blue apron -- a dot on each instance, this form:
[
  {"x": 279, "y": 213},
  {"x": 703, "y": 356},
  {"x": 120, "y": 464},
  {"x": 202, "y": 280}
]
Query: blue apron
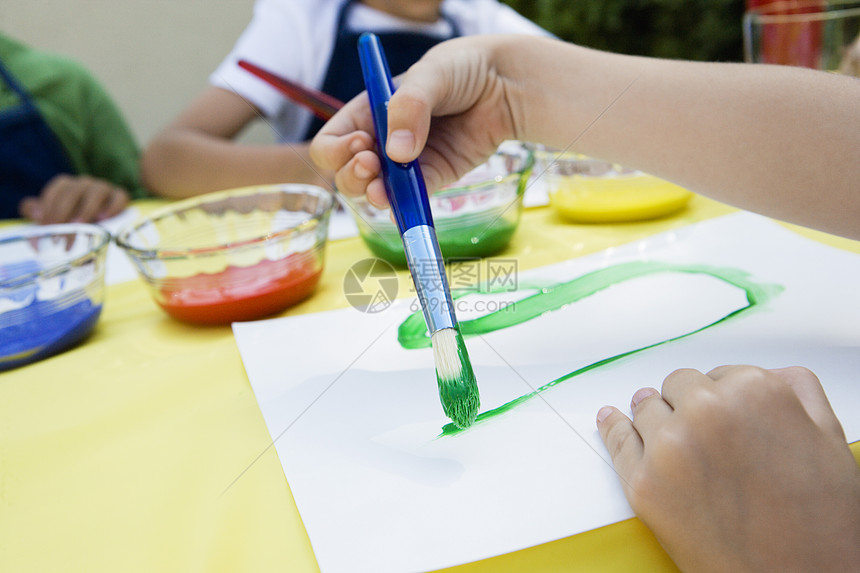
[
  {"x": 30, "y": 152},
  {"x": 343, "y": 78}
]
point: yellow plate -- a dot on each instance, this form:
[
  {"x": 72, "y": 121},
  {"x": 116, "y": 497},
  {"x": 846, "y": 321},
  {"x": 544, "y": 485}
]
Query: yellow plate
[{"x": 616, "y": 199}]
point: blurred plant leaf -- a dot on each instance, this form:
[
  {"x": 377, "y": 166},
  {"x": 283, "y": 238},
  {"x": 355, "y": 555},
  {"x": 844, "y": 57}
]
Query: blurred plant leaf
[{"x": 708, "y": 30}]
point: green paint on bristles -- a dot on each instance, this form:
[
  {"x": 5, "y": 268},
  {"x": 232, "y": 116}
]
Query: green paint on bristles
[{"x": 460, "y": 396}]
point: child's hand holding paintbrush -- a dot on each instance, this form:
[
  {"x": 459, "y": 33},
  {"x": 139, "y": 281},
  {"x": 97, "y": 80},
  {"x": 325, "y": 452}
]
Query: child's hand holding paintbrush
[{"x": 404, "y": 186}]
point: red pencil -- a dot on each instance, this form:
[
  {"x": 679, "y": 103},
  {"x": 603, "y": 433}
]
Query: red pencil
[{"x": 323, "y": 105}]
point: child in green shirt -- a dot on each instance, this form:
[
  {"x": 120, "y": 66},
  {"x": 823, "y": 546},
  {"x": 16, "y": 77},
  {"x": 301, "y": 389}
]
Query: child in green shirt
[{"x": 66, "y": 152}]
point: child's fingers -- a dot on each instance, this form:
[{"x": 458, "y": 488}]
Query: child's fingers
[
  {"x": 376, "y": 194},
  {"x": 680, "y": 384},
  {"x": 408, "y": 122},
  {"x": 95, "y": 196},
  {"x": 115, "y": 204},
  {"x": 60, "y": 199},
  {"x": 331, "y": 151},
  {"x": 649, "y": 411},
  {"x": 352, "y": 179},
  {"x": 808, "y": 388},
  {"x": 621, "y": 439},
  {"x": 31, "y": 208}
]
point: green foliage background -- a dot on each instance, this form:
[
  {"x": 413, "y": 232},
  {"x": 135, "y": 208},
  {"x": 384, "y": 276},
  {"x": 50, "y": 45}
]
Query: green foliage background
[{"x": 708, "y": 30}]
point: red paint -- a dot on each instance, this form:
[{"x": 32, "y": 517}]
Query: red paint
[
  {"x": 790, "y": 43},
  {"x": 751, "y": 4},
  {"x": 241, "y": 293}
]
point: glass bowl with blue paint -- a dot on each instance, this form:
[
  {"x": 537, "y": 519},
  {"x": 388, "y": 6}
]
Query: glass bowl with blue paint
[
  {"x": 51, "y": 289},
  {"x": 474, "y": 217}
]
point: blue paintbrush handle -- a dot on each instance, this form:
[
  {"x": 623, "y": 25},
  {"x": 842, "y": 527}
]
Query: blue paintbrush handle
[
  {"x": 404, "y": 186},
  {"x": 404, "y": 183}
]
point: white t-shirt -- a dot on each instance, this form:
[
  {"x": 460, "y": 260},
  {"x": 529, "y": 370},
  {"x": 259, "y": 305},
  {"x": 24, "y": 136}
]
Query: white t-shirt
[{"x": 295, "y": 39}]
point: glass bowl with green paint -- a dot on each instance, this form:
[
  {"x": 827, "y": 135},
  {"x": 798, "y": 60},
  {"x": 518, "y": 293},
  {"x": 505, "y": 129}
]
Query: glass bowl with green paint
[{"x": 474, "y": 217}]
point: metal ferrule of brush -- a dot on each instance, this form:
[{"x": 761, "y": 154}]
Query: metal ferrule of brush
[{"x": 428, "y": 274}]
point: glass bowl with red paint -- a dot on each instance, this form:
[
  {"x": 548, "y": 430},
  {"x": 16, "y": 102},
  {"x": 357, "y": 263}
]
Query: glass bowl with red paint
[
  {"x": 52, "y": 282},
  {"x": 234, "y": 255}
]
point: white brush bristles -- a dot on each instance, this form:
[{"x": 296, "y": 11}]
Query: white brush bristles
[{"x": 445, "y": 354}]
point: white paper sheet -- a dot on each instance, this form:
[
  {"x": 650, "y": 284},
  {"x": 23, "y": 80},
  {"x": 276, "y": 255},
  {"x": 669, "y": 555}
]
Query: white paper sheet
[{"x": 356, "y": 420}]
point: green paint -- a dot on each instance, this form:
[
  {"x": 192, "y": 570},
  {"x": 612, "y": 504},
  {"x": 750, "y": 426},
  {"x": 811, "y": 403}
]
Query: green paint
[
  {"x": 412, "y": 332},
  {"x": 460, "y": 397},
  {"x": 458, "y": 242},
  {"x": 476, "y": 219}
]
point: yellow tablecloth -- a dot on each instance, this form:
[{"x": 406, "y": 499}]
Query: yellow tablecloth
[{"x": 144, "y": 449}]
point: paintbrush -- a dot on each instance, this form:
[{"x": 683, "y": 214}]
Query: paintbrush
[
  {"x": 323, "y": 105},
  {"x": 404, "y": 185}
]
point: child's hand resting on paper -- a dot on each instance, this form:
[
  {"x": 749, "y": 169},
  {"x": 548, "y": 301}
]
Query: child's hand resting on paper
[
  {"x": 79, "y": 198},
  {"x": 741, "y": 469}
]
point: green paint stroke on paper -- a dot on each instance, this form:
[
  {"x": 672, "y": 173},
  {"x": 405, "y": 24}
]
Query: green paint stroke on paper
[{"x": 413, "y": 332}]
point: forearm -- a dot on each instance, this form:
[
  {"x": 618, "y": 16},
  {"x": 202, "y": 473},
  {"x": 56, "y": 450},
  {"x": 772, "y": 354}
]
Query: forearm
[
  {"x": 777, "y": 140},
  {"x": 183, "y": 163}
]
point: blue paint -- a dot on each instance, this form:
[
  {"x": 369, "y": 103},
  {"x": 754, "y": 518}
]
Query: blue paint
[{"x": 44, "y": 331}]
